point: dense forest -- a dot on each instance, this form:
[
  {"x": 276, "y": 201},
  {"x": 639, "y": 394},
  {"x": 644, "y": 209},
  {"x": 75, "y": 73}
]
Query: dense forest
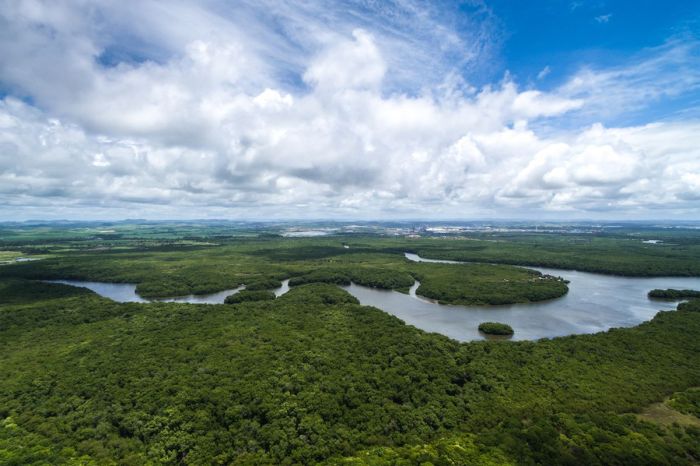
[
  {"x": 312, "y": 377},
  {"x": 261, "y": 265},
  {"x": 486, "y": 284},
  {"x": 495, "y": 328},
  {"x": 687, "y": 402},
  {"x": 600, "y": 255},
  {"x": 250, "y": 295},
  {"x": 674, "y": 294}
]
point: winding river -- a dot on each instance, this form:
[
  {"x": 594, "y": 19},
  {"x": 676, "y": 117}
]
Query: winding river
[
  {"x": 594, "y": 303},
  {"x": 126, "y": 292}
]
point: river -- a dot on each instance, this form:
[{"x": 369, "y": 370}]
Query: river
[
  {"x": 126, "y": 292},
  {"x": 594, "y": 303}
]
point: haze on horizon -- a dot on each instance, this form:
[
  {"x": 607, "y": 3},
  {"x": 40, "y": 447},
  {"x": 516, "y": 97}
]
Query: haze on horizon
[{"x": 349, "y": 109}]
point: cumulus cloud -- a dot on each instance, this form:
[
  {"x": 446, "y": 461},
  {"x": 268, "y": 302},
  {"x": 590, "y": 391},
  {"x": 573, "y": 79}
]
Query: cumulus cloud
[
  {"x": 619, "y": 169},
  {"x": 354, "y": 64},
  {"x": 209, "y": 123}
]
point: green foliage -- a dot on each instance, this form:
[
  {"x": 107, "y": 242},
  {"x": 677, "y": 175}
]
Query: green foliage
[
  {"x": 485, "y": 284},
  {"x": 691, "y": 306},
  {"x": 305, "y": 252},
  {"x": 249, "y": 295},
  {"x": 157, "y": 273},
  {"x": 382, "y": 278},
  {"x": 19, "y": 447},
  {"x": 17, "y": 290},
  {"x": 9, "y": 256},
  {"x": 319, "y": 293},
  {"x": 495, "y": 328},
  {"x": 589, "y": 253},
  {"x": 599, "y": 438},
  {"x": 366, "y": 276},
  {"x": 674, "y": 294},
  {"x": 313, "y": 377},
  {"x": 687, "y": 402},
  {"x": 337, "y": 277},
  {"x": 205, "y": 270},
  {"x": 263, "y": 283},
  {"x": 453, "y": 450}
]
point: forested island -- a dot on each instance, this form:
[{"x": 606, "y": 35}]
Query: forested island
[
  {"x": 312, "y": 376},
  {"x": 495, "y": 328},
  {"x": 674, "y": 294}
]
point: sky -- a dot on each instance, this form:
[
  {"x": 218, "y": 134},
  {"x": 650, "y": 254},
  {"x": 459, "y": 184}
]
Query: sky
[{"x": 360, "y": 109}]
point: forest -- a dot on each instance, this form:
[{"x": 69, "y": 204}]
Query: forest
[
  {"x": 674, "y": 294},
  {"x": 495, "y": 328},
  {"x": 262, "y": 264},
  {"x": 249, "y": 295},
  {"x": 313, "y": 377}
]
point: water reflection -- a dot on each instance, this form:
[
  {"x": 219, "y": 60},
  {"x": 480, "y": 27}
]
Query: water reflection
[
  {"x": 282, "y": 289},
  {"x": 126, "y": 292},
  {"x": 594, "y": 303}
]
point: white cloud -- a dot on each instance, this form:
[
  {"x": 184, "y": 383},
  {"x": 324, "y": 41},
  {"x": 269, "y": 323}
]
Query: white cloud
[
  {"x": 665, "y": 72},
  {"x": 349, "y": 64},
  {"x": 614, "y": 169},
  {"x": 212, "y": 127},
  {"x": 544, "y": 72},
  {"x": 531, "y": 104}
]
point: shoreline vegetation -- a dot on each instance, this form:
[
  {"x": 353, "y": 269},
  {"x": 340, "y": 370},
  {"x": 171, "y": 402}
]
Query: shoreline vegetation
[
  {"x": 160, "y": 274},
  {"x": 496, "y": 328},
  {"x": 249, "y": 295},
  {"x": 674, "y": 294},
  {"x": 522, "y": 258},
  {"x": 313, "y": 377},
  {"x": 337, "y": 370}
]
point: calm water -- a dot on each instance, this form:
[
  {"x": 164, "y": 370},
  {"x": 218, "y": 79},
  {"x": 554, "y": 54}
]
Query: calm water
[
  {"x": 594, "y": 303},
  {"x": 126, "y": 292},
  {"x": 282, "y": 289},
  {"x": 305, "y": 233}
]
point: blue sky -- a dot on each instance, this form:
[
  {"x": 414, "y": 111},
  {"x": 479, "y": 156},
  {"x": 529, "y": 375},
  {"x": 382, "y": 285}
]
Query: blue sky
[
  {"x": 349, "y": 109},
  {"x": 559, "y": 37},
  {"x": 570, "y": 33}
]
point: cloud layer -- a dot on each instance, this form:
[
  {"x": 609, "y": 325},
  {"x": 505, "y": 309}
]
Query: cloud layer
[{"x": 321, "y": 110}]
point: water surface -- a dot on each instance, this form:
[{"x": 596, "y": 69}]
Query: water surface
[
  {"x": 282, "y": 289},
  {"x": 126, "y": 292},
  {"x": 594, "y": 303}
]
